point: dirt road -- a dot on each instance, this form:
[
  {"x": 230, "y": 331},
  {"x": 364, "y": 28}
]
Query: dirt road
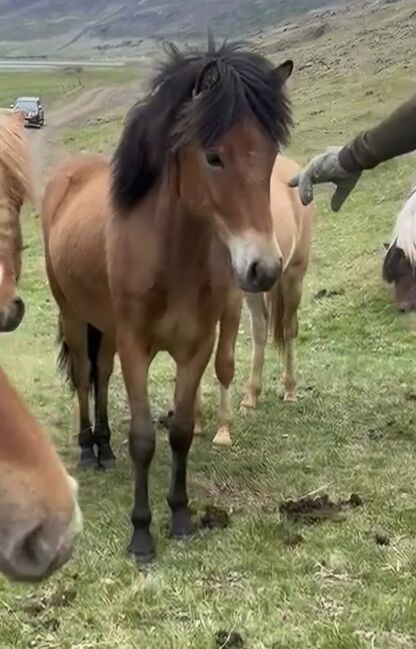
[{"x": 91, "y": 103}]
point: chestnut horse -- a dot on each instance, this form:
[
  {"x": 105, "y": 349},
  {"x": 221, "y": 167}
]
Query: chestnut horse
[
  {"x": 39, "y": 513},
  {"x": 144, "y": 258},
  {"x": 15, "y": 189}
]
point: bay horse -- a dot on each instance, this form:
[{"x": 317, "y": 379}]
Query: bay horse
[
  {"x": 15, "y": 189},
  {"x": 399, "y": 265},
  {"x": 276, "y": 309},
  {"x": 39, "y": 512},
  {"x": 150, "y": 253}
]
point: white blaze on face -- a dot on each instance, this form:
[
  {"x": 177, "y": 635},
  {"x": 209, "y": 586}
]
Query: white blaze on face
[{"x": 1, "y": 274}]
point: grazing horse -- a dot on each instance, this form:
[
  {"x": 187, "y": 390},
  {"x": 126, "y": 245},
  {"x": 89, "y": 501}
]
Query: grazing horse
[
  {"x": 15, "y": 189},
  {"x": 146, "y": 256},
  {"x": 39, "y": 512},
  {"x": 292, "y": 226},
  {"x": 399, "y": 266}
]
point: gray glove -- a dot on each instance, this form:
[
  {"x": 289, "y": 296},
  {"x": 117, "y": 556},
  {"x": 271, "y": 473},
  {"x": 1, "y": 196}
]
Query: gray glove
[{"x": 326, "y": 168}]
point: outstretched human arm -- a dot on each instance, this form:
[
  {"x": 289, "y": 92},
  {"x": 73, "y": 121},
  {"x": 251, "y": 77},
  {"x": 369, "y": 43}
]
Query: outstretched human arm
[{"x": 394, "y": 136}]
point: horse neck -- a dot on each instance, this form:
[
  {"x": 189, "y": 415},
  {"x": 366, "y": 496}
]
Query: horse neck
[{"x": 180, "y": 224}]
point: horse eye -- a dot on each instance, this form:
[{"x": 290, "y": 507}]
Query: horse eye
[{"x": 213, "y": 159}]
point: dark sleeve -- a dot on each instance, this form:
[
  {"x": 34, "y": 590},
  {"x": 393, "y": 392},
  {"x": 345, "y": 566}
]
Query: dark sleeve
[{"x": 394, "y": 136}]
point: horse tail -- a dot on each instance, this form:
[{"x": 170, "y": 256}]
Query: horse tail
[
  {"x": 65, "y": 362},
  {"x": 94, "y": 338},
  {"x": 276, "y": 312},
  {"x": 64, "y": 356}
]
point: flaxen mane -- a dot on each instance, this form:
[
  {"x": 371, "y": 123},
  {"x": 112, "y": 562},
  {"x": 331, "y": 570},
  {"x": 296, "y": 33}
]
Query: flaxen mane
[
  {"x": 196, "y": 96},
  {"x": 405, "y": 229}
]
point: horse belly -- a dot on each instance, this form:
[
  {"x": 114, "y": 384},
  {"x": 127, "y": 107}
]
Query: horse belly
[{"x": 78, "y": 264}]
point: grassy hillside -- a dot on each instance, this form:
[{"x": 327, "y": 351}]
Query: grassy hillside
[{"x": 332, "y": 585}]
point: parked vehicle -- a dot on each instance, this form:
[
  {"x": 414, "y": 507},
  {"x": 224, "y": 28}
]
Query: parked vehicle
[{"x": 32, "y": 109}]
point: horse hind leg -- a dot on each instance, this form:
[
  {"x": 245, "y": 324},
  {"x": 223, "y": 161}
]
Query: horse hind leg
[
  {"x": 258, "y": 314},
  {"x": 292, "y": 293},
  {"x": 101, "y": 351},
  {"x": 74, "y": 362}
]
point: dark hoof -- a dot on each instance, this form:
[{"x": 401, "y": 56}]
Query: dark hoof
[
  {"x": 88, "y": 460},
  {"x": 141, "y": 547},
  {"x": 181, "y": 525},
  {"x": 106, "y": 457}
]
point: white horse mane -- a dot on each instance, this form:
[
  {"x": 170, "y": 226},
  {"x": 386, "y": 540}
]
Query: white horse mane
[{"x": 404, "y": 234}]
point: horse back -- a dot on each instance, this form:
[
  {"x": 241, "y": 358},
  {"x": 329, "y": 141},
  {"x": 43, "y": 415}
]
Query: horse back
[
  {"x": 292, "y": 220},
  {"x": 70, "y": 179}
]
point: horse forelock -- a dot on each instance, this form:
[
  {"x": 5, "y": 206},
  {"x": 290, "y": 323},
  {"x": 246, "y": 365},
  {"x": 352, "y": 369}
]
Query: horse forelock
[
  {"x": 404, "y": 235},
  {"x": 196, "y": 96}
]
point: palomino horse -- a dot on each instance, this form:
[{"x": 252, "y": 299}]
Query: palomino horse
[
  {"x": 292, "y": 223},
  {"x": 15, "y": 188},
  {"x": 39, "y": 513},
  {"x": 154, "y": 268},
  {"x": 399, "y": 266}
]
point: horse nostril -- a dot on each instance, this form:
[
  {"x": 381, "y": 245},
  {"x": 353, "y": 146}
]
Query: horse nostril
[
  {"x": 31, "y": 545},
  {"x": 37, "y": 551},
  {"x": 253, "y": 272},
  {"x": 19, "y": 305},
  {"x": 261, "y": 277}
]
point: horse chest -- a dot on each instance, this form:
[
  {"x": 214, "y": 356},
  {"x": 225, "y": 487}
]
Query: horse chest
[{"x": 177, "y": 327}]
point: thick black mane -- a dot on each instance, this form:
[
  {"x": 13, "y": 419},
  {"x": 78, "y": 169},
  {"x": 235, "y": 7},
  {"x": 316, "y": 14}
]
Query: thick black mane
[{"x": 195, "y": 96}]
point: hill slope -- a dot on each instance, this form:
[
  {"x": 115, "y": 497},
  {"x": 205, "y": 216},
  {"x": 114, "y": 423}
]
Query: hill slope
[{"x": 42, "y": 27}]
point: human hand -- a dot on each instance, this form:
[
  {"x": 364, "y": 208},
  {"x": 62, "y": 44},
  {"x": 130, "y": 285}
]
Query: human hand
[{"x": 322, "y": 169}]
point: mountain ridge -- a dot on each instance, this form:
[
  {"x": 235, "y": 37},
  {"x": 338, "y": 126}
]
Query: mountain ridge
[{"x": 41, "y": 27}]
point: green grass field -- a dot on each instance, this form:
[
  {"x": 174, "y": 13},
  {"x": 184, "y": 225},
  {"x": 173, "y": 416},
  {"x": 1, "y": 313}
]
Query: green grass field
[
  {"x": 352, "y": 430},
  {"x": 56, "y": 86}
]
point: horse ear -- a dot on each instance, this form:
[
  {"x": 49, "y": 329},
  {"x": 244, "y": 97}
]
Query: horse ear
[
  {"x": 386, "y": 246},
  {"x": 208, "y": 78},
  {"x": 283, "y": 71}
]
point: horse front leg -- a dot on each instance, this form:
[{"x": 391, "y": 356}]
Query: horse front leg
[
  {"x": 135, "y": 362},
  {"x": 181, "y": 430}
]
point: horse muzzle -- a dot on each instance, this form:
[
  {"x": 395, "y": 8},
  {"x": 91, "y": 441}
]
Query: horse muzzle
[{"x": 12, "y": 315}]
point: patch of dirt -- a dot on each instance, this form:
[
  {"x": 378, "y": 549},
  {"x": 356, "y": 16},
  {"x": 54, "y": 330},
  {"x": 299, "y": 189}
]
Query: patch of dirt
[
  {"x": 292, "y": 539},
  {"x": 228, "y": 639},
  {"x": 92, "y": 102},
  {"x": 381, "y": 539},
  {"x": 318, "y": 509},
  {"x": 165, "y": 419},
  {"x": 101, "y": 102},
  {"x": 61, "y": 597},
  {"x": 214, "y": 518},
  {"x": 324, "y": 293},
  {"x": 392, "y": 639}
]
